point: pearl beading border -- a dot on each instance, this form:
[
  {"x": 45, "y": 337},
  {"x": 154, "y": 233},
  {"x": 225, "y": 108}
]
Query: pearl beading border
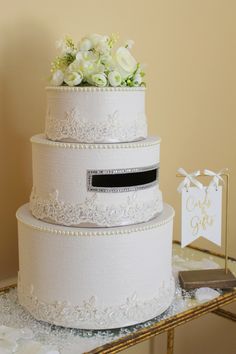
[
  {"x": 108, "y": 232},
  {"x": 36, "y": 140},
  {"x": 93, "y": 88}
]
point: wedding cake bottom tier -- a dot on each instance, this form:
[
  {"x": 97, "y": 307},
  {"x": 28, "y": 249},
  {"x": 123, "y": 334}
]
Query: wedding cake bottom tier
[{"x": 97, "y": 278}]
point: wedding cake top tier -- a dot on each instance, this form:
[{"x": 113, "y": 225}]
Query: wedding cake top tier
[
  {"x": 96, "y": 93},
  {"x": 95, "y": 114}
]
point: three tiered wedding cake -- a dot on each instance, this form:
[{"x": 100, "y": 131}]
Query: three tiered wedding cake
[{"x": 95, "y": 241}]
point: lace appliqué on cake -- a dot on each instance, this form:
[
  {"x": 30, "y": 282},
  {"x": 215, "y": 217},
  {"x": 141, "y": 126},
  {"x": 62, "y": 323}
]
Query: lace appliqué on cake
[
  {"x": 76, "y": 128},
  {"x": 132, "y": 211},
  {"x": 92, "y": 315}
]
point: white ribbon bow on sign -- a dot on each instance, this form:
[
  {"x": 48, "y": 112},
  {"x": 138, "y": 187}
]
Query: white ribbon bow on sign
[
  {"x": 216, "y": 177},
  {"x": 189, "y": 178}
]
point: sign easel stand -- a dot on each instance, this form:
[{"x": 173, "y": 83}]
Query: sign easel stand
[{"x": 212, "y": 278}]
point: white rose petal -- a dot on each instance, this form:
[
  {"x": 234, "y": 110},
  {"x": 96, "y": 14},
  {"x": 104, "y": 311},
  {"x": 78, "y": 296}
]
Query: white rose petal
[
  {"x": 86, "y": 56},
  {"x": 73, "y": 78},
  {"x": 85, "y": 45},
  {"x": 95, "y": 38},
  {"x": 75, "y": 66},
  {"x": 57, "y": 78},
  {"x": 99, "y": 80},
  {"x": 102, "y": 47},
  {"x": 90, "y": 56},
  {"x": 125, "y": 61},
  {"x": 114, "y": 78},
  {"x": 79, "y": 55}
]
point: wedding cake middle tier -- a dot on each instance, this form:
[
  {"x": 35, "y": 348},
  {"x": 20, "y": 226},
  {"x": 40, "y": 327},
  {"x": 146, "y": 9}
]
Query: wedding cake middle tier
[{"x": 92, "y": 185}]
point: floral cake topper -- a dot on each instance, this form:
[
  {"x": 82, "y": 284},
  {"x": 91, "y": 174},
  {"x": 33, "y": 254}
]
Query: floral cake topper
[{"x": 96, "y": 61}]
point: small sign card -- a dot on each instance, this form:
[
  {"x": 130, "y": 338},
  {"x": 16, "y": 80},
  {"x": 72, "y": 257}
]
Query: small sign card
[{"x": 201, "y": 214}]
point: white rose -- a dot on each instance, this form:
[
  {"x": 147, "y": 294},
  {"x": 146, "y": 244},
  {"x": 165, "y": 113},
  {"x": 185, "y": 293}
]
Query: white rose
[
  {"x": 74, "y": 66},
  {"x": 73, "y": 78},
  {"x": 106, "y": 59},
  {"x": 85, "y": 45},
  {"x": 88, "y": 68},
  {"x": 125, "y": 62},
  {"x": 95, "y": 38},
  {"x": 57, "y": 78},
  {"x": 99, "y": 80},
  {"x": 102, "y": 47},
  {"x": 91, "y": 56},
  {"x": 114, "y": 78},
  {"x": 137, "y": 80},
  {"x": 87, "y": 55}
]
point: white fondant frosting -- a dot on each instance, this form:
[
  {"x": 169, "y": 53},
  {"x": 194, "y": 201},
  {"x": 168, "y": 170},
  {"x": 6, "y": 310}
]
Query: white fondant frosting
[
  {"x": 95, "y": 254},
  {"x": 86, "y": 114},
  {"x": 84, "y": 279},
  {"x": 61, "y": 195}
]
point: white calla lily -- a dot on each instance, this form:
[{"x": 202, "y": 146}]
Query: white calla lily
[{"x": 125, "y": 62}]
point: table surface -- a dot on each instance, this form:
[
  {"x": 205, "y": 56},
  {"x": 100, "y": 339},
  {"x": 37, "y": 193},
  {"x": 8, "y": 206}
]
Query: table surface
[{"x": 184, "y": 308}]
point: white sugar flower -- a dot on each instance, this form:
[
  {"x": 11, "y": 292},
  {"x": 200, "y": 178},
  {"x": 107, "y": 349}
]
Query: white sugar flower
[
  {"x": 85, "y": 44},
  {"x": 125, "y": 62},
  {"x": 114, "y": 78},
  {"x": 73, "y": 78},
  {"x": 99, "y": 79},
  {"x": 129, "y": 43},
  {"x": 137, "y": 80},
  {"x": 57, "y": 78}
]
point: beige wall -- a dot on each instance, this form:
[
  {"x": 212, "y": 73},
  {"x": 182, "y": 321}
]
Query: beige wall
[{"x": 189, "y": 48}]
